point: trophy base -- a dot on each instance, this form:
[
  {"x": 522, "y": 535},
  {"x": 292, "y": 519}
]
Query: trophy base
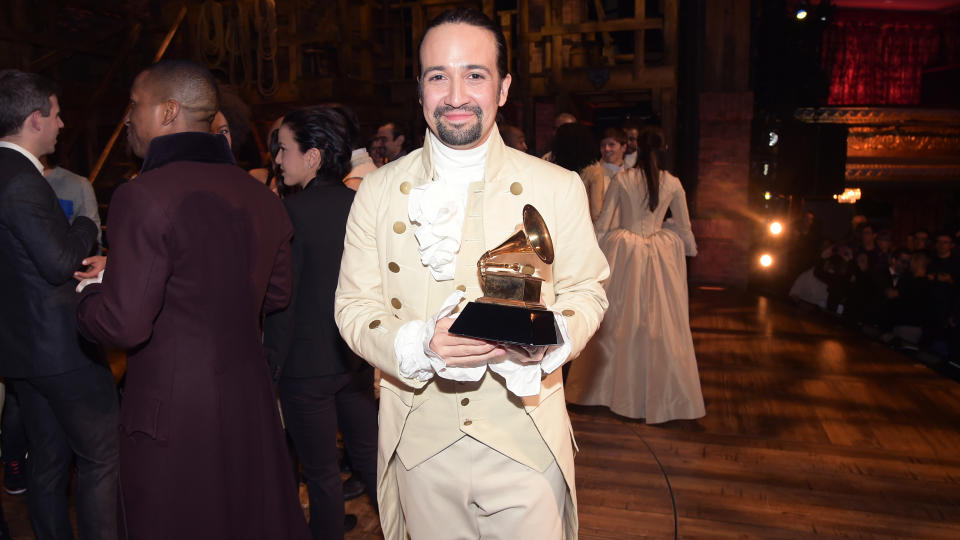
[{"x": 506, "y": 324}]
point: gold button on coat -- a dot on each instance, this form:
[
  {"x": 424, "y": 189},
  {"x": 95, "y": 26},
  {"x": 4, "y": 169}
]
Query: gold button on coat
[
  {"x": 399, "y": 227},
  {"x": 468, "y": 422},
  {"x": 568, "y": 313},
  {"x": 374, "y": 323},
  {"x": 465, "y": 401},
  {"x": 516, "y": 188},
  {"x": 405, "y": 188},
  {"x": 396, "y": 303},
  {"x": 394, "y": 267}
]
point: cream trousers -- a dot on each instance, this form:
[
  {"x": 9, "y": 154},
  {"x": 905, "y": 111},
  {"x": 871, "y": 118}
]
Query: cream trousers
[{"x": 470, "y": 491}]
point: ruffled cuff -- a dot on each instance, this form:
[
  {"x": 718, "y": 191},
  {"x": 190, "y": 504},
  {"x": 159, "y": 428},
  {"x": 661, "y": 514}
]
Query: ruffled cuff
[
  {"x": 408, "y": 346},
  {"x": 557, "y": 354}
]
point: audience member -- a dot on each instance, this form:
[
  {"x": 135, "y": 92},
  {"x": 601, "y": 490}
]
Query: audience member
[
  {"x": 514, "y": 137},
  {"x": 394, "y": 137}
]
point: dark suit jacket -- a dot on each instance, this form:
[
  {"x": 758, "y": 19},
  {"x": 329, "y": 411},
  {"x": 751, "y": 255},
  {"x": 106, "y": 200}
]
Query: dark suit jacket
[
  {"x": 40, "y": 250},
  {"x": 303, "y": 339},
  {"x": 198, "y": 249}
]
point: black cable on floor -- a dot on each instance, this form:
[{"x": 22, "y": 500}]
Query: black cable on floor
[{"x": 673, "y": 500}]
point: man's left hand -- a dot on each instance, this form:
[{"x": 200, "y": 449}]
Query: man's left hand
[{"x": 525, "y": 355}]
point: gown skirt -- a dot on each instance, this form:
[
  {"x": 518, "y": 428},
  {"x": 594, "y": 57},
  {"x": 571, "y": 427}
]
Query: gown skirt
[{"x": 641, "y": 362}]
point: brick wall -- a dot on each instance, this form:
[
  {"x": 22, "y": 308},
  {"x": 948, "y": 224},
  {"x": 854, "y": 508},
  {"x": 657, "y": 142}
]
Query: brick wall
[{"x": 722, "y": 226}]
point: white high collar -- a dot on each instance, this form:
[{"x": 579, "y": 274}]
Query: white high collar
[{"x": 459, "y": 166}]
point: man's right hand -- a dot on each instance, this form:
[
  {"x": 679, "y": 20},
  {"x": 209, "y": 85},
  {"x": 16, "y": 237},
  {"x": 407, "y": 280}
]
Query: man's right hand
[
  {"x": 460, "y": 351},
  {"x": 94, "y": 265}
]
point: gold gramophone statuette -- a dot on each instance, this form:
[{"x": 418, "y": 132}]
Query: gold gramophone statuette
[{"x": 510, "y": 309}]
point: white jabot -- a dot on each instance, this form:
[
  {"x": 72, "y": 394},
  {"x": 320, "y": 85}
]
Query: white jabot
[
  {"x": 26, "y": 153},
  {"x": 630, "y": 160},
  {"x": 439, "y": 208}
]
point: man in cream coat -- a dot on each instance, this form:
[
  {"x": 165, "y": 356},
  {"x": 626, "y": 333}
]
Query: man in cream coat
[{"x": 474, "y": 439}]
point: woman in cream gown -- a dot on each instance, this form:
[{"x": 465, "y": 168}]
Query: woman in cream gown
[{"x": 641, "y": 362}]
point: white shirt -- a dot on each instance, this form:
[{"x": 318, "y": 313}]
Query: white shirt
[
  {"x": 439, "y": 208},
  {"x": 33, "y": 159},
  {"x": 630, "y": 160}
]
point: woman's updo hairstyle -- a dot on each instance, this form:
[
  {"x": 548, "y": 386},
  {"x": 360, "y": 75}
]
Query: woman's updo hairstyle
[{"x": 325, "y": 129}]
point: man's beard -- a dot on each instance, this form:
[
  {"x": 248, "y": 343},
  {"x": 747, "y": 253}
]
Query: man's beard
[{"x": 453, "y": 136}]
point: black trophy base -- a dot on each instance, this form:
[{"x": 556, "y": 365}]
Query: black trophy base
[{"x": 507, "y": 324}]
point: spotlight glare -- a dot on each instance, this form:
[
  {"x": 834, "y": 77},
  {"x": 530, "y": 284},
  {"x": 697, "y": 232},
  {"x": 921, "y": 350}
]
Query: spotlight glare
[
  {"x": 801, "y": 14},
  {"x": 776, "y": 228},
  {"x": 766, "y": 260},
  {"x": 767, "y": 195},
  {"x": 772, "y": 139}
]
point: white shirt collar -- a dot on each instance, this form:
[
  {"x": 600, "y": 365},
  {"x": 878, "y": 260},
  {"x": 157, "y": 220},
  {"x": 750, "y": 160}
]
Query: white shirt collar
[
  {"x": 33, "y": 159},
  {"x": 459, "y": 166}
]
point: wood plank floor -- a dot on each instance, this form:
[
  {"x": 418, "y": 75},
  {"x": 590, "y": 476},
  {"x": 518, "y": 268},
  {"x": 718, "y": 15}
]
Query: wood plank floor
[{"x": 811, "y": 431}]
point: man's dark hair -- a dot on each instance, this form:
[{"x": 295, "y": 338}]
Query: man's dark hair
[
  {"x": 21, "y": 93},
  {"x": 616, "y": 134},
  {"x": 574, "y": 147},
  {"x": 630, "y": 124},
  {"x": 398, "y": 129},
  {"x": 351, "y": 123},
  {"x": 187, "y": 82},
  {"x": 325, "y": 129},
  {"x": 476, "y": 18}
]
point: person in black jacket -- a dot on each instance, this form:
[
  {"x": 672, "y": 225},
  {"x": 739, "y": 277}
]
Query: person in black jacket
[
  {"x": 67, "y": 395},
  {"x": 322, "y": 384}
]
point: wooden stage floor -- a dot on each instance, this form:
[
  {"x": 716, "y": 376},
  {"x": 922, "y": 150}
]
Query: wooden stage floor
[{"x": 812, "y": 431}]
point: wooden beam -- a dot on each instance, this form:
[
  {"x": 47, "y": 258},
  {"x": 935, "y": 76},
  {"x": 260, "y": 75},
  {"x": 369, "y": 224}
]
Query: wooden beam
[
  {"x": 617, "y": 25},
  {"x": 95, "y": 171}
]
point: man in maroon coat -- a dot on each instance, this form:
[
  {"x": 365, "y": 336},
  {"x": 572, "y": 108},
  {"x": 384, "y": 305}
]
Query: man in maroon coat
[{"x": 198, "y": 249}]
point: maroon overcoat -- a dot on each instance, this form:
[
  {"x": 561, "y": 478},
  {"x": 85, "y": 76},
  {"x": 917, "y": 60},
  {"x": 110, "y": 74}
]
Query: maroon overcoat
[{"x": 197, "y": 249}]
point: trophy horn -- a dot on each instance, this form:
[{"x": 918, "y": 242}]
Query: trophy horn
[{"x": 532, "y": 238}]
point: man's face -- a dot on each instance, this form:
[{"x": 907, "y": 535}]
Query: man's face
[
  {"x": 902, "y": 264},
  {"x": 867, "y": 236},
  {"x": 392, "y": 145},
  {"x": 944, "y": 245},
  {"x": 145, "y": 119},
  {"x": 920, "y": 240},
  {"x": 50, "y": 128},
  {"x": 459, "y": 87},
  {"x": 632, "y": 136},
  {"x": 612, "y": 150}
]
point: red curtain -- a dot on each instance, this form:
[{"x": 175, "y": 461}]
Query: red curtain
[{"x": 878, "y": 58}]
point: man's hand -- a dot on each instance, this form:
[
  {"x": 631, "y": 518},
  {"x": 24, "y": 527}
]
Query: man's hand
[
  {"x": 459, "y": 351},
  {"x": 94, "y": 265},
  {"x": 526, "y": 355}
]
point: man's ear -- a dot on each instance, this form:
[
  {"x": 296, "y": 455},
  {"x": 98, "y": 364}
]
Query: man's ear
[
  {"x": 504, "y": 89},
  {"x": 400, "y": 139},
  {"x": 171, "y": 110},
  {"x": 32, "y": 121}
]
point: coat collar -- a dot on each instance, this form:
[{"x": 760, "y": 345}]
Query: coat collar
[
  {"x": 496, "y": 158},
  {"x": 187, "y": 146}
]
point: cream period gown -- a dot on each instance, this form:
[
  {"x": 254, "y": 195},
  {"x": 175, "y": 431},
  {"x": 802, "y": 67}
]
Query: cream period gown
[{"x": 641, "y": 362}]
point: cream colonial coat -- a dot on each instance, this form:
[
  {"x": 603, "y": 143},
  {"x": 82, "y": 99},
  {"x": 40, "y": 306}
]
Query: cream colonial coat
[{"x": 381, "y": 264}]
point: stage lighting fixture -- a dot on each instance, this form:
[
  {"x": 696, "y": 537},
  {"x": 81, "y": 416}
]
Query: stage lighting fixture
[
  {"x": 802, "y": 12},
  {"x": 824, "y": 11},
  {"x": 773, "y": 139},
  {"x": 775, "y": 228},
  {"x": 849, "y": 196},
  {"x": 767, "y": 195},
  {"x": 766, "y": 260}
]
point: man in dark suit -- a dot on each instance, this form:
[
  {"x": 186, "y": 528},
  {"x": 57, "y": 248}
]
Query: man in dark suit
[
  {"x": 198, "y": 248},
  {"x": 67, "y": 395}
]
